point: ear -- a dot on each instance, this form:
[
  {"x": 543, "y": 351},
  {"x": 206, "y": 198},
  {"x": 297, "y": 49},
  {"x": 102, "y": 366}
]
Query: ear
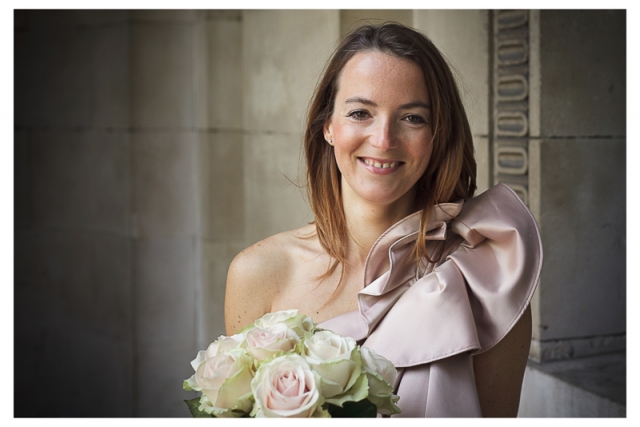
[{"x": 328, "y": 132}]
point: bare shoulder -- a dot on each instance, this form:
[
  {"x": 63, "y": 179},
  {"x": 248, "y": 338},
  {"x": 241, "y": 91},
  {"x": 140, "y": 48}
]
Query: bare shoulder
[{"x": 257, "y": 274}]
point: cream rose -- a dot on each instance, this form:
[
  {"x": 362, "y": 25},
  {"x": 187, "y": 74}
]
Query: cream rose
[
  {"x": 381, "y": 377},
  {"x": 287, "y": 387},
  {"x": 225, "y": 382},
  {"x": 337, "y": 360},
  {"x": 264, "y": 343},
  {"x": 298, "y": 322},
  {"x": 223, "y": 343}
]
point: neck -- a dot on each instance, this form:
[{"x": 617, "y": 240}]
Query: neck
[{"x": 367, "y": 221}]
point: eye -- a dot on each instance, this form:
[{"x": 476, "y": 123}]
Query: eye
[
  {"x": 415, "y": 119},
  {"x": 358, "y": 115}
]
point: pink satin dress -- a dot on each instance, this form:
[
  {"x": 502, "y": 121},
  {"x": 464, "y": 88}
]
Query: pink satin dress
[{"x": 430, "y": 321}]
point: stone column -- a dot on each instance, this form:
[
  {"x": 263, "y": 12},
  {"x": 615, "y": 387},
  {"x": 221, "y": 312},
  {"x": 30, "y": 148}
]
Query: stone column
[
  {"x": 165, "y": 207},
  {"x": 283, "y": 53},
  {"x": 73, "y": 250},
  {"x": 577, "y": 180},
  {"x": 221, "y": 163}
]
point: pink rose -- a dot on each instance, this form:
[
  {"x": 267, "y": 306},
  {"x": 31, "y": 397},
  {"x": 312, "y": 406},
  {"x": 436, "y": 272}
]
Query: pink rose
[
  {"x": 223, "y": 343},
  {"x": 225, "y": 382},
  {"x": 286, "y": 387},
  {"x": 264, "y": 343}
]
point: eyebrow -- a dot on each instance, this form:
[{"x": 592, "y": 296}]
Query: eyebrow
[{"x": 413, "y": 104}]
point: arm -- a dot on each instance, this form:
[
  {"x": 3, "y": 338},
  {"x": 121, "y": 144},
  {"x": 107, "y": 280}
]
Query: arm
[{"x": 500, "y": 370}]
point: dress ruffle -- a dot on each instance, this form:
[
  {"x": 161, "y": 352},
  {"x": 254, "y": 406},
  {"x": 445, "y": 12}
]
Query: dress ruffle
[{"x": 467, "y": 301}]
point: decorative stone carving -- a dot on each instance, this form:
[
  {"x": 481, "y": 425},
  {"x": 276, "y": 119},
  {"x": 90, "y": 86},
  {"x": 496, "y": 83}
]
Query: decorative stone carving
[{"x": 511, "y": 100}]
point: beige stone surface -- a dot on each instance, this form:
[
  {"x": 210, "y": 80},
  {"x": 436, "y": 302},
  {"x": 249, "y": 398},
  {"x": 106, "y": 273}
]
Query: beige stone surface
[
  {"x": 583, "y": 229},
  {"x": 55, "y": 85},
  {"x": 583, "y": 78},
  {"x": 272, "y": 202},
  {"x": 163, "y": 15},
  {"x": 481, "y": 152},
  {"x": 216, "y": 258},
  {"x": 80, "y": 180},
  {"x": 462, "y": 36},
  {"x": 162, "y": 72},
  {"x": 222, "y": 202},
  {"x": 82, "y": 357},
  {"x": 284, "y": 52},
  {"x": 161, "y": 370},
  {"x": 72, "y": 308},
  {"x": 164, "y": 291},
  {"x": 350, "y": 19},
  {"x": 165, "y": 182},
  {"x": 77, "y": 275},
  {"x": 69, "y": 18},
  {"x": 534, "y": 73},
  {"x": 111, "y": 67},
  {"x": 74, "y": 73},
  {"x": 225, "y": 75},
  {"x": 587, "y": 387},
  {"x": 200, "y": 82},
  {"x": 224, "y": 14}
]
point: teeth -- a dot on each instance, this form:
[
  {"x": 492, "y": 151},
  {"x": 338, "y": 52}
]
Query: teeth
[{"x": 380, "y": 165}]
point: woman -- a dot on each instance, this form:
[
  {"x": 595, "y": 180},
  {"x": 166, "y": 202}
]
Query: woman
[{"x": 390, "y": 158}]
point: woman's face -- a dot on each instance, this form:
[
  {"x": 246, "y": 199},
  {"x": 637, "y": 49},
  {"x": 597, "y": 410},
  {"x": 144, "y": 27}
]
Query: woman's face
[{"x": 381, "y": 128}]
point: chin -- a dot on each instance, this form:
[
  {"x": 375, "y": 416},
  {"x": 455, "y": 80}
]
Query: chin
[{"x": 376, "y": 198}]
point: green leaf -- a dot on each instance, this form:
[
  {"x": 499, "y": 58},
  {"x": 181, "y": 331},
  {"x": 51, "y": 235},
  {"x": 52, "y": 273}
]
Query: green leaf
[
  {"x": 361, "y": 409},
  {"x": 193, "y": 405}
]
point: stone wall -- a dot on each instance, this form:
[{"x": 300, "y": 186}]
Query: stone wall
[
  {"x": 74, "y": 254},
  {"x": 578, "y": 141}
]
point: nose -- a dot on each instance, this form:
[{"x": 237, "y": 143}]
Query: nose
[{"x": 384, "y": 137}]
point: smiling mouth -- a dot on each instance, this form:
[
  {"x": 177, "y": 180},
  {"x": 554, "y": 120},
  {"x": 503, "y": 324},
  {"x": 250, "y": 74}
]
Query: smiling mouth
[{"x": 379, "y": 164}]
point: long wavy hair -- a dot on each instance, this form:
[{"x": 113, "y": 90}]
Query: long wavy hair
[{"x": 451, "y": 172}]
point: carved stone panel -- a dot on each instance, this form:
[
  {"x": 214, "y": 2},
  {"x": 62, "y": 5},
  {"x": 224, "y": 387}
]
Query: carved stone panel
[{"x": 511, "y": 100}]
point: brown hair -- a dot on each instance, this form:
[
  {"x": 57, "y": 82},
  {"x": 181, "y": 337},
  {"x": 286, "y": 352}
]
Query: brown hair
[{"x": 451, "y": 173}]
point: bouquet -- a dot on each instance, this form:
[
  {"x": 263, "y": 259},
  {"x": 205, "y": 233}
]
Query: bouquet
[{"x": 284, "y": 366}]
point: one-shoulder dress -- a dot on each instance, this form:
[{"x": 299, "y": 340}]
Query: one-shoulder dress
[{"x": 430, "y": 320}]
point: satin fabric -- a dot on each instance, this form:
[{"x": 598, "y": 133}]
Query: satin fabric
[{"x": 429, "y": 320}]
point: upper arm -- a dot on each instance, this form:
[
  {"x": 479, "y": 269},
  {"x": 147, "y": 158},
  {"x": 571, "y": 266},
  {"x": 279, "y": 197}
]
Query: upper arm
[
  {"x": 248, "y": 295},
  {"x": 500, "y": 370}
]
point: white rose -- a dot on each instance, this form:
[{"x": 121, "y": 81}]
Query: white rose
[
  {"x": 264, "y": 343},
  {"x": 271, "y": 319},
  {"x": 373, "y": 362},
  {"x": 287, "y": 387},
  {"x": 225, "y": 382},
  {"x": 381, "y": 377},
  {"x": 298, "y": 322},
  {"x": 337, "y": 360},
  {"x": 223, "y": 343}
]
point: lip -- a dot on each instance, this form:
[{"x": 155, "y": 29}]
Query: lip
[{"x": 380, "y": 171}]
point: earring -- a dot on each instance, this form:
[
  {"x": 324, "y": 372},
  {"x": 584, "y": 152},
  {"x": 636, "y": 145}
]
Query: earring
[{"x": 330, "y": 141}]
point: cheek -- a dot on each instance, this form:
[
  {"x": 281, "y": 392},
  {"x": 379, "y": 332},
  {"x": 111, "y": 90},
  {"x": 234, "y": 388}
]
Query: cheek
[
  {"x": 344, "y": 150},
  {"x": 427, "y": 155},
  {"x": 424, "y": 154}
]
